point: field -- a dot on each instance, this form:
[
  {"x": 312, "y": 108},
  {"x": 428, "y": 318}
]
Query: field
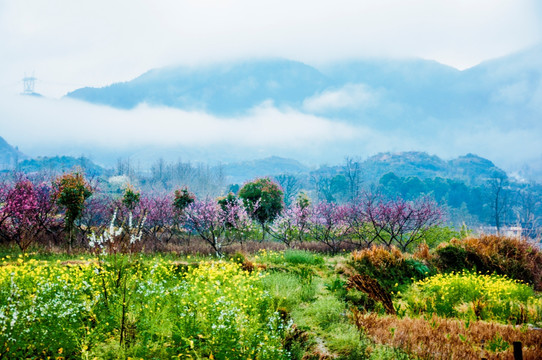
[
  {"x": 90, "y": 275},
  {"x": 291, "y": 304}
]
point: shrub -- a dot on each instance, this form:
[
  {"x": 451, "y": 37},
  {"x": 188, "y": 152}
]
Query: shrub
[
  {"x": 71, "y": 190},
  {"x": 516, "y": 258},
  {"x": 393, "y": 270}
]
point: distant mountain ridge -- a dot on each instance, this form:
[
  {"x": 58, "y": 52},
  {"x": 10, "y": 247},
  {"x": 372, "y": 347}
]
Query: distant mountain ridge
[
  {"x": 61, "y": 164},
  {"x": 239, "y": 172},
  {"x": 220, "y": 89},
  {"x": 413, "y": 101},
  {"x": 470, "y": 168},
  {"x": 413, "y": 89},
  {"x": 9, "y": 155}
]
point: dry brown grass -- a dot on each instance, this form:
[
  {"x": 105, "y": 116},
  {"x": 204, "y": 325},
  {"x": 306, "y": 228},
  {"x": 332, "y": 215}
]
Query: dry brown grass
[
  {"x": 439, "y": 338},
  {"x": 373, "y": 289},
  {"x": 379, "y": 256}
]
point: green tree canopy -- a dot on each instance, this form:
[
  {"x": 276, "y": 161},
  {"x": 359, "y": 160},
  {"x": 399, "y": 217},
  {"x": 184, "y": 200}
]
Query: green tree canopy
[{"x": 263, "y": 200}]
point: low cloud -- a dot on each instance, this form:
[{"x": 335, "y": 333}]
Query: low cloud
[
  {"x": 38, "y": 123},
  {"x": 40, "y": 126},
  {"x": 349, "y": 97}
]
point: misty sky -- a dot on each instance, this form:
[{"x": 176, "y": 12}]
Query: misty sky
[{"x": 70, "y": 44}]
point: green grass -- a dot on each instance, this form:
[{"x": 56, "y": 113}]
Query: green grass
[{"x": 290, "y": 257}]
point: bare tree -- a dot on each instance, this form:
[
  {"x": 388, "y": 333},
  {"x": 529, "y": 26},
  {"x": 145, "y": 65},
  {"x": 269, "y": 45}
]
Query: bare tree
[
  {"x": 353, "y": 173},
  {"x": 528, "y": 202},
  {"x": 322, "y": 183},
  {"x": 498, "y": 199},
  {"x": 290, "y": 185}
]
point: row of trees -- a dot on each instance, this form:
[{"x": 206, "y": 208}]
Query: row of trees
[{"x": 70, "y": 205}]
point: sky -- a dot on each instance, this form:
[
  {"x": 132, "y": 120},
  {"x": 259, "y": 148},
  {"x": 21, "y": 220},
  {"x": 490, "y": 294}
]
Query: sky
[{"x": 70, "y": 44}]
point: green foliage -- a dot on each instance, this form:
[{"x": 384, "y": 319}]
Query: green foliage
[
  {"x": 382, "y": 352},
  {"x": 497, "y": 344},
  {"x": 474, "y": 296},
  {"x": 327, "y": 315},
  {"x": 130, "y": 198},
  {"x": 288, "y": 290},
  {"x": 440, "y": 234},
  {"x": 338, "y": 287},
  {"x": 229, "y": 199},
  {"x": 290, "y": 257},
  {"x": 303, "y": 201},
  {"x": 345, "y": 341},
  {"x": 297, "y": 257},
  {"x": 70, "y": 191},
  {"x": 326, "y": 311},
  {"x": 455, "y": 258},
  {"x": 182, "y": 199},
  {"x": 262, "y": 199}
]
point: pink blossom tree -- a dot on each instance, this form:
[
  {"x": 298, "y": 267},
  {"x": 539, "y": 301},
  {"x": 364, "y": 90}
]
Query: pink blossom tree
[
  {"x": 96, "y": 214},
  {"x": 27, "y": 211},
  {"x": 399, "y": 222},
  {"x": 160, "y": 217},
  {"x": 291, "y": 225},
  {"x": 329, "y": 224},
  {"x": 211, "y": 221}
]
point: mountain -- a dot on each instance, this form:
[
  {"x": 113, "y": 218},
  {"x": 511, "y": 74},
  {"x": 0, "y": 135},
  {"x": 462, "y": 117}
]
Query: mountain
[
  {"x": 61, "y": 164},
  {"x": 404, "y": 164},
  {"x": 412, "y": 88},
  {"x": 471, "y": 169},
  {"x": 221, "y": 89},
  {"x": 493, "y": 109},
  {"x": 9, "y": 155},
  {"x": 240, "y": 172}
]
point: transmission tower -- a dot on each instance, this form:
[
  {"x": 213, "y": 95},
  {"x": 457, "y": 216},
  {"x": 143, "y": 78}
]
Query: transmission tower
[{"x": 28, "y": 84}]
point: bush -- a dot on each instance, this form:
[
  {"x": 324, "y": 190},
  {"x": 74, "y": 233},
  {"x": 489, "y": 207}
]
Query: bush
[
  {"x": 393, "y": 270},
  {"x": 513, "y": 257},
  {"x": 474, "y": 296}
]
